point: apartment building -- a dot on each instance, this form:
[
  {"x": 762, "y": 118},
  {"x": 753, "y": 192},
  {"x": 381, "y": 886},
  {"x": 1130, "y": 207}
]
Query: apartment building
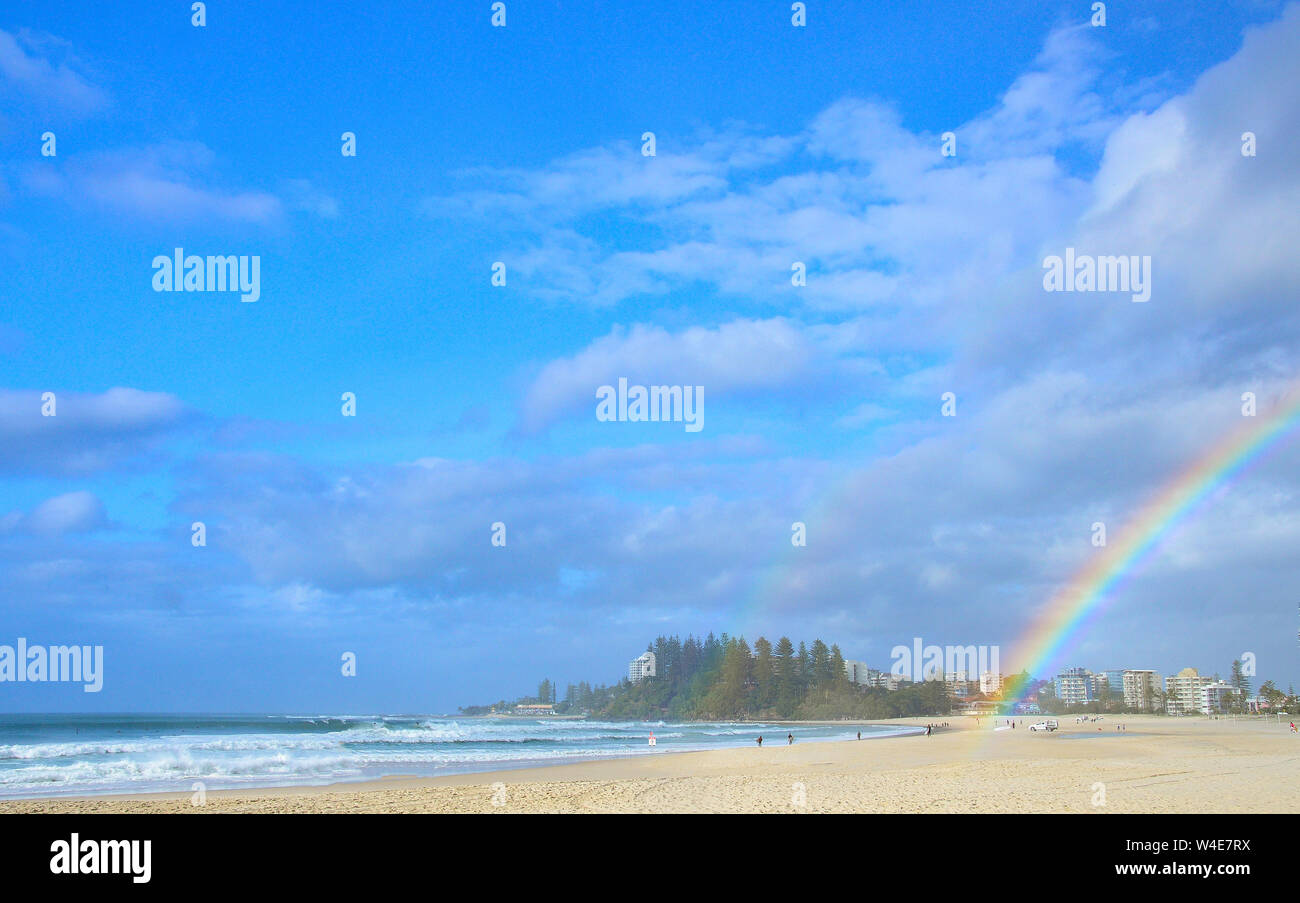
[
  {"x": 641, "y": 667},
  {"x": 1075, "y": 686},
  {"x": 1217, "y": 697},
  {"x": 1183, "y": 691},
  {"x": 857, "y": 672},
  {"x": 990, "y": 683},
  {"x": 1141, "y": 689}
]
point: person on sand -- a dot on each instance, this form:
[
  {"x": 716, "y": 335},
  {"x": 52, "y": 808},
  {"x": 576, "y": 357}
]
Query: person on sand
[
  {"x": 927, "y": 730},
  {"x": 760, "y": 739},
  {"x": 789, "y": 739},
  {"x": 859, "y": 735}
]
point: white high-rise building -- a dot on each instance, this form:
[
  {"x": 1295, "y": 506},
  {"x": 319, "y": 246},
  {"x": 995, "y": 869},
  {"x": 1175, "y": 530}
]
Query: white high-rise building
[
  {"x": 1074, "y": 686},
  {"x": 1216, "y": 698},
  {"x": 990, "y": 683},
  {"x": 641, "y": 667},
  {"x": 856, "y": 672}
]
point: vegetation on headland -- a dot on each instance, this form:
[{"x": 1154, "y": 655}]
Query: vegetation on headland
[{"x": 723, "y": 679}]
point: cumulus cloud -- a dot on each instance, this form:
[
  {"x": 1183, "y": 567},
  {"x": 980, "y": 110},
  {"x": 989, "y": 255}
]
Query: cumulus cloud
[
  {"x": 881, "y": 220},
  {"x": 741, "y": 354},
  {"x": 89, "y": 432},
  {"x": 923, "y": 271}
]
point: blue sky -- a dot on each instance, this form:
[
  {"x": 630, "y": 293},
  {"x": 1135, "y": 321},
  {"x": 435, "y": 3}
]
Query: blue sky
[{"x": 522, "y": 144}]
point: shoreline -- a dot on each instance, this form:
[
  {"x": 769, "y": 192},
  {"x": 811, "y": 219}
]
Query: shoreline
[
  {"x": 365, "y": 783},
  {"x": 1163, "y": 765}
]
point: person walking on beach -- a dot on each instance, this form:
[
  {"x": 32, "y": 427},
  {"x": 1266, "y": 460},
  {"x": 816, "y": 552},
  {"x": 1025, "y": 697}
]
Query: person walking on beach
[
  {"x": 760, "y": 739},
  {"x": 859, "y": 735},
  {"x": 927, "y": 730},
  {"x": 789, "y": 739}
]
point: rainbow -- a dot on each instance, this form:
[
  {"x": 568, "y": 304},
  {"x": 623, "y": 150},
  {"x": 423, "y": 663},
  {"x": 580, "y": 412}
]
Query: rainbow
[{"x": 1078, "y": 603}]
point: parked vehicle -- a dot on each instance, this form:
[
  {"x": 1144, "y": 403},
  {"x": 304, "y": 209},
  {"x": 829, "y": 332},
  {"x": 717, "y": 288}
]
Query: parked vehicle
[{"x": 1044, "y": 726}]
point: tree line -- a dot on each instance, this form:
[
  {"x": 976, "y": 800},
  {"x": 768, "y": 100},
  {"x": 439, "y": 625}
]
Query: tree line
[{"x": 724, "y": 678}]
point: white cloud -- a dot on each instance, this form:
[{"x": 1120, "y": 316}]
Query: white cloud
[
  {"x": 72, "y": 512},
  {"x": 88, "y": 432},
  {"x": 28, "y": 67},
  {"x": 741, "y": 354},
  {"x": 172, "y": 182}
]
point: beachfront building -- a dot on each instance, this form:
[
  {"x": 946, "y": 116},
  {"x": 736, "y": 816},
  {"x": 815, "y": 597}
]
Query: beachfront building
[
  {"x": 885, "y": 680},
  {"x": 1109, "y": 684},
  {"x": 990, "y": 683},
  {"x": 1141, "y": 689},
  {"x": 535, "y": 709},
  {"x": 959, "y": 687},
  {"x": 1183, "y": 692},
  {"x": 641, "y": 667},
  {"x": 1075, "y": 686},
  {"x": 857, "y": 672},
  {"x": 1217, "y": 697}
]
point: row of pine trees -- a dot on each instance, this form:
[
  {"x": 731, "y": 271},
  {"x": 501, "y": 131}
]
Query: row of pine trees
[{"x": 724, "y": 678}]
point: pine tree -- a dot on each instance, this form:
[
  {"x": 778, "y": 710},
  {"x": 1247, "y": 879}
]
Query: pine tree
[
  {"x": 838, "y": 671},
  {"x": 764, "y": 673},
  {"x": 821, "y": 664}
]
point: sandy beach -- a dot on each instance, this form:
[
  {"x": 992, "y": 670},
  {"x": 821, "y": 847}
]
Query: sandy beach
[{"x": 1156, "y": 765}]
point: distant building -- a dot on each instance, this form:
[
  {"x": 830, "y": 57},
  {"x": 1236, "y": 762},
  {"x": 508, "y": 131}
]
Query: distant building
[
  {"x": 641, "y": 667},
  {"x": 1141, "y": 689},
  {"x": 1185, "y": 693},
  {"x": 535, "y": 709},
  {"x": 959, "y": 687},
  {"x": 857, "y": 672},
  {"x": 990, "y": 683},
  {"x": 1075, "y": 686},
  {"x": 885, "y": 680},
  {"x": 1217, "y": 697},
  {"x": 1109, "y": 684}
]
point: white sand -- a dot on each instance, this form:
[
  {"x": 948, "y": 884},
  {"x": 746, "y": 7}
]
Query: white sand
[{"x": 1180, "y": 765}]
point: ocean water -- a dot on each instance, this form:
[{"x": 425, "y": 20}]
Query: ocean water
[{"x": 52, "y": 755}]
